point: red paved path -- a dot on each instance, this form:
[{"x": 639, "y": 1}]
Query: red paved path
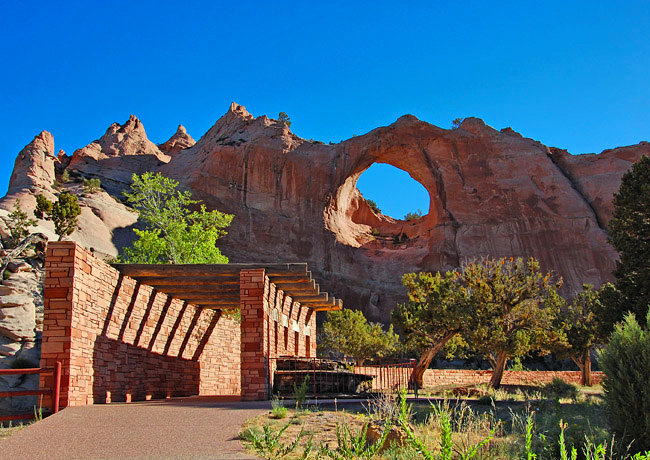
[{"x": 189, "y": 428}]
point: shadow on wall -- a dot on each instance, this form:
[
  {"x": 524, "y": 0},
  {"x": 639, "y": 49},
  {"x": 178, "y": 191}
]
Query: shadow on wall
[{"x": 133, "y": 361}]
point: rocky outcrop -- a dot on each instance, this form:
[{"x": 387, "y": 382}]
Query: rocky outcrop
[
  {"x": 179, "y": 141},
  {"x": 492, "y": 193},
  {"x": 34, "y": 165},
  {"x": 122, "y": 151}
]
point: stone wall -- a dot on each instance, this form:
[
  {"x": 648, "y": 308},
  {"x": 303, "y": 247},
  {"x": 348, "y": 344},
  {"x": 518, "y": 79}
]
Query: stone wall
[
  {"x": 459, "y": 377},
  {"x": 119, "y": 340},
  {"x": 272, "y": 325}
]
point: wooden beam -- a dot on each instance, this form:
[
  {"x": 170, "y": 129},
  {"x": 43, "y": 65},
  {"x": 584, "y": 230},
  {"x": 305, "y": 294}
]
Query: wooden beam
[
  {"x": 322, "y": 297},
  {"x": 215, "y": 302},
  {"x": 305, "y": 286},
  {"x": 196, "y": 289},
  {"x": 137, "y": 270},
  {"x": 156, "y": 281},
  {"x": 329, "y": 308},
  {"x": 191, "y": 296},
  {"x": 279, "y": 281}
]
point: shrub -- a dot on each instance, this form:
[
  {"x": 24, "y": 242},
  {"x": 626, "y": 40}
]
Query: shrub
[
  {"x": 23, "y": 363},
  {"x": 278, "y": 411},
  {"x": 559, "y": 389},
  {"x": 413, "y": 215},
  {"x": 373, "y": 206},
  {"x": 92, "y": 185},
  {"x": 626, "y": 363}
]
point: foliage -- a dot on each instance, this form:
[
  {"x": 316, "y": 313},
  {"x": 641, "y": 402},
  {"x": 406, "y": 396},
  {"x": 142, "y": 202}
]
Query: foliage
[
  {"x": 373, "y": 206},
  {"x": 436, "y": 312},
  {"x": 23, "y": 363},
  {"x": 514, "y": 306},
  {"x": 92, "y": 185},
  {"x": 64, "y": 212},
  {"x": 456, "y": 122},
  {"x": 300, "y": 393},
  {"x": 173, "y": 232},
  {"x": 582, "y": 324},
  {"x": 629, "y": 233},
  {"x": 413, "y": 215},
  {"x": 268, "y": 444},
  {"x": 374, "y": 231},
  {"x": 18, "y": 224},
  {"x": 559, "y": 389},
  {"x": 348, "y": 333},
  {"x": 354, "y": 445},
  {"x": 284, "y": 118},
  {"x": 626, "y": 363},
  {"x": 278, "y": 411},
  {"x": 65, "y": 177}
]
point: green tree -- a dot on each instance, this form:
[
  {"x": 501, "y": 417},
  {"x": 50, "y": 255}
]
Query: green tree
[
  {"x": 456, "y": 122},
  {"x": 18, "y": 224},
  {"x": 515, "y": 306},
  {"x": 436, "y": 312},
  {"x": 92, "y": 185},
  {"x": 581, "y": 323},
  {"x": 626, "y": 363},
  {"x": 284, "y": 118},
  {"x": 373, "y": 206},
  {"x": 19, "y": 239},
  {"x": 64, "y": 212},
  {"x": 413, "y": 215},
  {"x": 629, "y": 233},
  {"x": 173, "y": 233},
  {"x": 348, "y": 333}
]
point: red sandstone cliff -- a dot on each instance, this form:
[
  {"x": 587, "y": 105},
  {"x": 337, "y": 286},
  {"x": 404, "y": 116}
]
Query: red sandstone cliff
[{"x": 493, "y": 193}]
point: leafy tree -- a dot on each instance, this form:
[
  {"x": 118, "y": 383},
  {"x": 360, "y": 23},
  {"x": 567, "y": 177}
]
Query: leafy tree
[
  {"x": 437, "y": 311},
  {"x": 173, "y": 233},
  {"x": 284, "y": 118},
  {"x": 64, "y": 212},
  {"x": 348, "y": 333},
  {"x": 515, "y": 307},
  {"x": 65, "y": 177},
  {"x": 581, "y": 323},
  {"x": 626, "y": 363},
  {"x": 456, "y": 122},
  {"x": 629, "y": 233}
]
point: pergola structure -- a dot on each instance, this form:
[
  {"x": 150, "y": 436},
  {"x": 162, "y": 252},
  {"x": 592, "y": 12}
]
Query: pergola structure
[{"x": 217, "y": 286}]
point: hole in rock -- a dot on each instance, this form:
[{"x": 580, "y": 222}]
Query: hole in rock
[{"x": 394, "y": 192}]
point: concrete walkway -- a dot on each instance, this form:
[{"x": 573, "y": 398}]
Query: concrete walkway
[{"x": 184, "y": 428}]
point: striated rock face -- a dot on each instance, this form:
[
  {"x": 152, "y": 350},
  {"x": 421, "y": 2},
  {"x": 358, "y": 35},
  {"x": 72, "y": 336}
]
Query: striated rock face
[
  {"x": 34, "y": 166},
  {"x": 492, "y": 193},
  {"x": 179, "y": 141}
]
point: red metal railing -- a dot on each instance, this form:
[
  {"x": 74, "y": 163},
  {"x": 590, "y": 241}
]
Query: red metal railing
[
  {"x": 344, "y": 376},
  {"x": 54, "y": 391}
]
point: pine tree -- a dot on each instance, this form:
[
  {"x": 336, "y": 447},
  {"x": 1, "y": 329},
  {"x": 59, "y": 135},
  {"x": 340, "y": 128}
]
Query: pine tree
[{"x": 629, "y": 233}]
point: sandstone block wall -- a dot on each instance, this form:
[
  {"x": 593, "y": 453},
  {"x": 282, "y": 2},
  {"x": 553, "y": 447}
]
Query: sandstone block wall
[
  {"x": 458, "y": 377},
  {"x": 119, "y": 340},
  {"x": 272, "y": 325}
]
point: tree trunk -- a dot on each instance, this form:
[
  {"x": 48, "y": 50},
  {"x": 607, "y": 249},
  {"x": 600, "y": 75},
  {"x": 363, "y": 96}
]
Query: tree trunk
[
  {"x": 426, "y": 358},
  {"x": 585, "y": 376},
  {"x": 583, "y": 362},
  {"x": 497, "y": 374}
]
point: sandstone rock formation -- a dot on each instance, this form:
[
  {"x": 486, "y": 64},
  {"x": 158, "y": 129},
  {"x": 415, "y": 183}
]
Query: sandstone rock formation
[
  {"x": 179, "y": 141},
  {"x": 34, "y": 166},
  {"x": 492, "y": 193}
]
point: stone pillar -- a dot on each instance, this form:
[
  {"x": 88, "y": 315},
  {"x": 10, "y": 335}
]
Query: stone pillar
[
  {"x": 253, "y": 294},
  {"x": 57, "y": 314}
]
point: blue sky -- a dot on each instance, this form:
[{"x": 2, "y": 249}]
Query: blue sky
[{"x": 570, "y": 74}]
